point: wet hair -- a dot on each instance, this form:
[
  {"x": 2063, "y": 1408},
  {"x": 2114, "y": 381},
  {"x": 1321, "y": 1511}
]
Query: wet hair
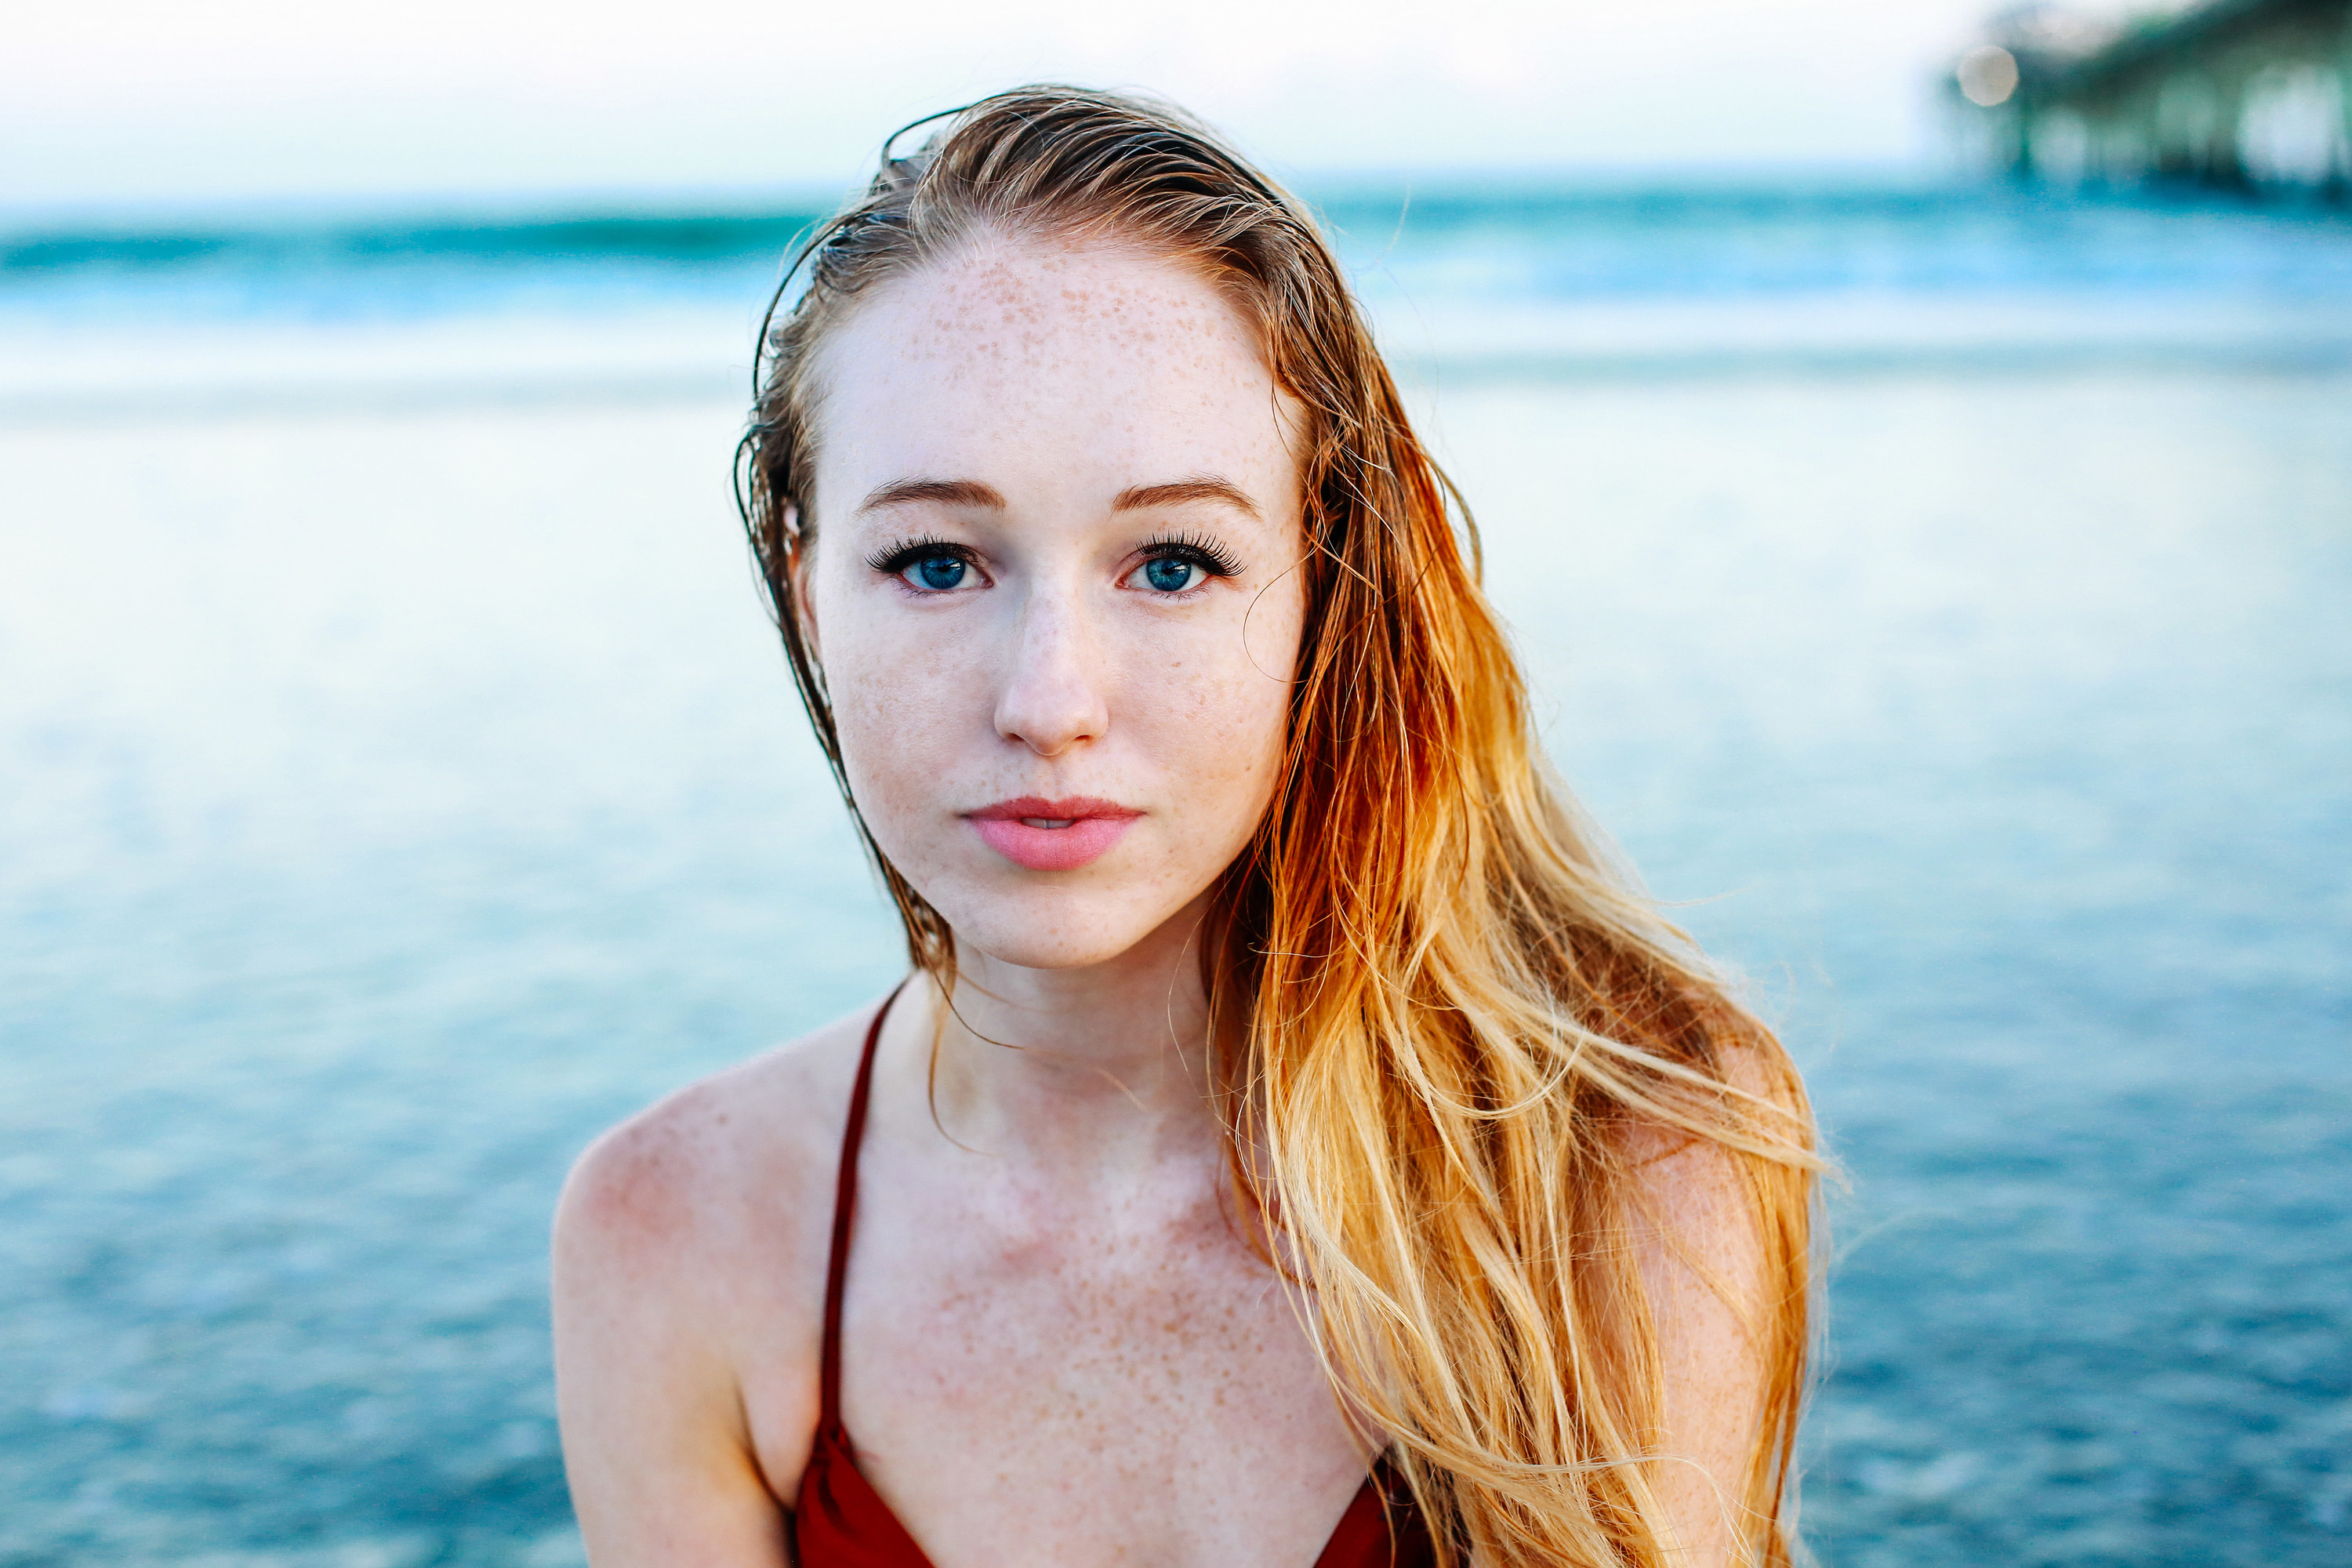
[{"x": 1451, "y": 1032}]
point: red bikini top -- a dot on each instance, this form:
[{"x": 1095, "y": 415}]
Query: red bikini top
[{"x": 840, "y": 1520}]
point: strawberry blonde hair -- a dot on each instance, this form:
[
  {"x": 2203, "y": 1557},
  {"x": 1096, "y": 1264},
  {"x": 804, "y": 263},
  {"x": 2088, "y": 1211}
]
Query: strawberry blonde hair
[{"x": 1447, "y": 1025}]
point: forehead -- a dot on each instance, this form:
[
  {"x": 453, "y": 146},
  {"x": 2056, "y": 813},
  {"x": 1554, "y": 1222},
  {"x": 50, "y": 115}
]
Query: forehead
[{"x": 1027, "y": 360}]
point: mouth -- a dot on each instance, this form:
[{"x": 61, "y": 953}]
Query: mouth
[{"x": 1051, "y": 834}]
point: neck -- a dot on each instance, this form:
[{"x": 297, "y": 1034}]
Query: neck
[{"x": 1103, "y": 1066}]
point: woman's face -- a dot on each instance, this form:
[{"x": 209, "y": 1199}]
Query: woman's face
[{"x": 1054, "y": 590}]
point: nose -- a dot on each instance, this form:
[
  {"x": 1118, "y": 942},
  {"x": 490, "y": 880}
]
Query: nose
[{"x": 1052, "y": 696}]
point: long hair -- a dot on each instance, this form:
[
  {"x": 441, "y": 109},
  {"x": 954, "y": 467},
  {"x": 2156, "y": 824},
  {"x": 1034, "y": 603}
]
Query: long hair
[{"x": 1445, "y": 1018}]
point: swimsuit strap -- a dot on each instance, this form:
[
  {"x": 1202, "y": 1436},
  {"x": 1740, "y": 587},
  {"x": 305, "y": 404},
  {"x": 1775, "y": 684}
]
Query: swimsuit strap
[{"x": 844, "y": 1201}]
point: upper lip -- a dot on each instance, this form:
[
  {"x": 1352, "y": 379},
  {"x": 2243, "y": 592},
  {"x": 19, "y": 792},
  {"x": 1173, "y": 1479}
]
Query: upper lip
[{"x": 1069, "y": 808}]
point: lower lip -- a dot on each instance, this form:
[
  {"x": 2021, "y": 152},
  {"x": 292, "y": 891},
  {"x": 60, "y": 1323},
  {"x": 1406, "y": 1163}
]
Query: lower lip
[{"x": 1086, "y": 838}]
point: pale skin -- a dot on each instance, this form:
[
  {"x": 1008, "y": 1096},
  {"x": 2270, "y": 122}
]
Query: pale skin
[{"x": 1059, "y": 1350}]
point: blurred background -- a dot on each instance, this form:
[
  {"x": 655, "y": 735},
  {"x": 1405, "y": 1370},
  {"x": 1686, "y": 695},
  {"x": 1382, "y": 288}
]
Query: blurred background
[{"x": 1913, "y": 448}]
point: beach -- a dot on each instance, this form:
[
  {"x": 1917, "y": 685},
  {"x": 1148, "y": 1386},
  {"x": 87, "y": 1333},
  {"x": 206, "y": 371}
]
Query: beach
[{"x": 1940, "y": 599}]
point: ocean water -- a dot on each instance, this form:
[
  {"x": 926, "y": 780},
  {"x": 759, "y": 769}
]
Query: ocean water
[{"x": 1942, "y": 594}]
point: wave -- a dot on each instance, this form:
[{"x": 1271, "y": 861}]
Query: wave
[
  {"x": 688, "y": 241},
  {"x": 1497, "y": 241}
]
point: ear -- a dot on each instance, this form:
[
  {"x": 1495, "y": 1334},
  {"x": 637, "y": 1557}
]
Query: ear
[{"x": 799, "y": 563}]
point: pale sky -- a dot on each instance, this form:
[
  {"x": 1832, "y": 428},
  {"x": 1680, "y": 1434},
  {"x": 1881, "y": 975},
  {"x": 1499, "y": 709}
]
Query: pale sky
[{"x": 135, "y": 101}]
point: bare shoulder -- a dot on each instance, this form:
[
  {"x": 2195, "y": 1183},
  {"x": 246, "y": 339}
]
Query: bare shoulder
[
  {"x": 1718, "y": 1243},
  {"x": 738, "y": 1147},
  {"x": 1694, "y": 1186},
  {"x": 688, "y": 1274}
]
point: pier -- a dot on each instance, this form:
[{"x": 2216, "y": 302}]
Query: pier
[{"x": 2232, "y": 94}]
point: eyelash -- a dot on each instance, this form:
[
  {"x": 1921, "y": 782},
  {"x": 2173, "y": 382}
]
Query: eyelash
[
  {"x": 1198, "y": 549},
  {"x": 893, "y": 560}
]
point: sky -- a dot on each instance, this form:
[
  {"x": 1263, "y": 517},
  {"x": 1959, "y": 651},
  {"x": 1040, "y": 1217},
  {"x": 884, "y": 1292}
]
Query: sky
[{"x": 162, "y": 102}]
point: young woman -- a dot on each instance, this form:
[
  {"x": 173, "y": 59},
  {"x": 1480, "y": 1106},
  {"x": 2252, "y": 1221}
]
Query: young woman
[{"x": 1296, "y": 1144}]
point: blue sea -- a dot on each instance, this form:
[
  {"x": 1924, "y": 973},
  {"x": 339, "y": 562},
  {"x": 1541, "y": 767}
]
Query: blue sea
[{"x": 1943, "y": 592}]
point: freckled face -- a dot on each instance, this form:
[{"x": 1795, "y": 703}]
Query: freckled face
[{"x": 1055, "y": 588}]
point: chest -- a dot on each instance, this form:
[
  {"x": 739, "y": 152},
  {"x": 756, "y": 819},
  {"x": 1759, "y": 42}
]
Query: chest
[{"x": 1026, "y": 1380}]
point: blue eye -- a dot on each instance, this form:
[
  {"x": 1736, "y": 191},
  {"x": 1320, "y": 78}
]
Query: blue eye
[
  {"x": 1181, "y": 564},
  {"x": 939, "y": 571},
  {"x": 931, "y": 564},
  {"x": 1170, "y": 573}
]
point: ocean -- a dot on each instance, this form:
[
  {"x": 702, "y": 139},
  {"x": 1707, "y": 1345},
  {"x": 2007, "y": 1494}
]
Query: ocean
[{"x": 1943, "y": 592}]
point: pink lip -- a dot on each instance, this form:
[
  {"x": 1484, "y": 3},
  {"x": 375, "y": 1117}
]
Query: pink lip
[{"x": 1092, "y": 827}]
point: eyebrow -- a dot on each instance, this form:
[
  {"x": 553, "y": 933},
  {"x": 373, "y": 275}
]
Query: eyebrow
[
  {"x": 1182, "y": 490},
  {"x": 948, "y": 492},
  {"x": 1137, "y": 498}
]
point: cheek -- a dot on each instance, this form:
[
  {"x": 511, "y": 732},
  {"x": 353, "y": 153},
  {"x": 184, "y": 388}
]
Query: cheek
[
  {"x": 898, "y": 705},
  {"x": 1222, "y": 712}
]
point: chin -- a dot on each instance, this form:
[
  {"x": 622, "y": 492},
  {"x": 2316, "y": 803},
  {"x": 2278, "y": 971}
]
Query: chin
[
  {"x": 1042, "y": 926},
  {"x": 1028, "y": 950}
]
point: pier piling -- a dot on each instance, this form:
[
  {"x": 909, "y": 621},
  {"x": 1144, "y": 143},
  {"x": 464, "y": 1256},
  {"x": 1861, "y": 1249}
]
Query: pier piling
[{"x": 2236, "y": 94}]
